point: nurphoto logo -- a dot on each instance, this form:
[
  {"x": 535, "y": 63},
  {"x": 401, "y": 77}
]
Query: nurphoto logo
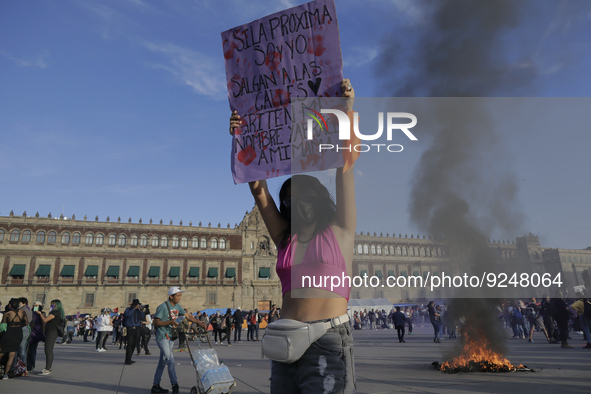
[{"x": 344, "y": 127}]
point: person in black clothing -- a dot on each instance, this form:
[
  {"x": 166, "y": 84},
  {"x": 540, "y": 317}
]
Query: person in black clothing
[
  {"x": 559, "y": 311},
  {"x": 399, "y": 319},
  {"x": 15, "y": 319},
  {"x": 52, "y": 321},
  {"x": 238, "y": 321},
  {"x": 216, "y": 322},
  {"x": 435, "y": 319},
  {"x": 132, "y": 321},
  {"x": 226, "y": 326}
]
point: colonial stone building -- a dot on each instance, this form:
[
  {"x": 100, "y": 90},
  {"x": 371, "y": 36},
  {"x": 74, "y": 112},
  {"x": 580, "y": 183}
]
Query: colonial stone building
[{"x": 91, "y": 264}]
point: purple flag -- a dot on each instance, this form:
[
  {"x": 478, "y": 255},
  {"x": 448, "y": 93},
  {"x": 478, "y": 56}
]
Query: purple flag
[{"x": 292, "y": 53}]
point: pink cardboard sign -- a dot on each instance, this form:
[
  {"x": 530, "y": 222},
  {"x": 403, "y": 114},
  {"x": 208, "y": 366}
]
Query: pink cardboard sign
[{"x": 292, "y": 53}]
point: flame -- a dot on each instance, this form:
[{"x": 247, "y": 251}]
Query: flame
[{"x": 477, "y": 354}]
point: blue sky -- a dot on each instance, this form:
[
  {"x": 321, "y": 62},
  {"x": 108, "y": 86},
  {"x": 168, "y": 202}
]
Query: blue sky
[{"x": 118, "y": 108}]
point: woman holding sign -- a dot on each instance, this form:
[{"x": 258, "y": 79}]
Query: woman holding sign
[{"x": 315, "y": 239}]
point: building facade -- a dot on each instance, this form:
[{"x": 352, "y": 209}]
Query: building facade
[{"x": 91, "y": 264}]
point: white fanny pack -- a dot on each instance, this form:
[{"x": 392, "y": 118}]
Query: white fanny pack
[{"x": 287, "y": 340}]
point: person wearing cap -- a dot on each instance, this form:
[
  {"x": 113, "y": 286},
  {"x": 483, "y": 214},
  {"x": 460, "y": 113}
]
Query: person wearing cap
[
  {"x": 132, "y": 321},
  {"x": 166, "y": 317}
]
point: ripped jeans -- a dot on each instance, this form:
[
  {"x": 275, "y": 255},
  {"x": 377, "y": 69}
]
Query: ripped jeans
[{"x": 326, "y": 367}]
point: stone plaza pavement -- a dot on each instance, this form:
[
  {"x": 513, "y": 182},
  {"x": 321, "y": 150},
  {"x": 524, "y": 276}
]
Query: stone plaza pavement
[{"x": 383, "y": 366}]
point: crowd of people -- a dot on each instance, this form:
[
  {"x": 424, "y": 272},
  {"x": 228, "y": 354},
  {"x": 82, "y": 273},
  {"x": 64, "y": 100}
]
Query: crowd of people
[
  {"x": 21, "y": 330},
  {"x": 553, "y": 317}
]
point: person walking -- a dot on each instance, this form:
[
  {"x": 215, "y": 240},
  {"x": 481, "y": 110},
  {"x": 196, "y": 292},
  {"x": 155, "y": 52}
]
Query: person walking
[
  {"x": 132, "y": 321},
  {"x": 435, "y": 318},
  {"x": 53, "y": 320},
  {"x": 166, "y": 315},
  {"x": 146, "y": 331},
  {"x": 103, "y": 327},
  {"x": 400, "y": 320}
]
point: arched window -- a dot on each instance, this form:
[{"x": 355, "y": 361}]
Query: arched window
[
  {"x": 155, "y": 241},
  {"x": 423, "y": 252},
  {"x": 26, "y": 236},
  {"x": 164, "y": 242},
  {"x": 41, "y": 237},
  {"x": 14, "y": 235},
  {"x": 89, "y": 239},
  {"x": 144, "y": 240},
  {"x": 65, "y": 238},
  {"x": 112, "y": 239},
  {"x": 51, "y": 237},
  {"x": 195, "y": 243},
  {"x": 134, "y": 240},
  {"x": 373, "y": 249},
  {"x": 359, "y": 249},
  {"x": 1, "y": 235},
  {"x": 404, "y": 251},
  {"x": 430, "y": 252},
  {"x": 392, "y": 250},
  {"x": 412, "y": 251},
  {"x": 214, "y": 243},
  {"x": 379, "y": 249},
  {"x": 365, "y": 249},
  {"x": 76, "y": 239},
  {"x": 184, "y": 242},
  {"x": 122, "y": 239},
  {"x": 222, "y": 244},
  {"x": 175, "y": 242},
  {"x": 386, "y": 250},
  {"x": 203, "y": 243},
  {"x": 100, "y": 239}
]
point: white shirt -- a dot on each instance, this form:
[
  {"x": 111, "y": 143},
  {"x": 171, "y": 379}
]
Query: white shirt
[{"x": 104, "y": 323}]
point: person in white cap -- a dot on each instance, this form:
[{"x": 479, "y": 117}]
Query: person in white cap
[{"x": 165, "y": 318}]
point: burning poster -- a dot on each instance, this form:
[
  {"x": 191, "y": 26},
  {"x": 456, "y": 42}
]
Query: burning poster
[{"x": 292, "y": 53}]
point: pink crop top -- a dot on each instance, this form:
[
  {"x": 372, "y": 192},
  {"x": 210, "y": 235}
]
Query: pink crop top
[{"x": 322, "y": 259}]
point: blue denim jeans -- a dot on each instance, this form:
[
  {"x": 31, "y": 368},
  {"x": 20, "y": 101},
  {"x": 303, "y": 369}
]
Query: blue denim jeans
[
  {"x": 326, "y": 367},
  {"x": 166, "y": 359}
]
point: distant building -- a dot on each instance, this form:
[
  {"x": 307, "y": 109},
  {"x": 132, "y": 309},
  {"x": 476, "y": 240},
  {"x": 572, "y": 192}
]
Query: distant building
[{"x": 91, "y": 264}]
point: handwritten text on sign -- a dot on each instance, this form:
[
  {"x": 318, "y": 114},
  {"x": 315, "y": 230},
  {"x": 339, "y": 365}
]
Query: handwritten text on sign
[{"x": 293, "y": 53}]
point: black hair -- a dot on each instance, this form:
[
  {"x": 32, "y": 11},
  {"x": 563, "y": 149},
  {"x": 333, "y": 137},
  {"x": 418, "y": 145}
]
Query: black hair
[
  {"x": 24, "y": 300},
  {"x": 324, "y": 203},
  {"x": 13, "y": 303}
]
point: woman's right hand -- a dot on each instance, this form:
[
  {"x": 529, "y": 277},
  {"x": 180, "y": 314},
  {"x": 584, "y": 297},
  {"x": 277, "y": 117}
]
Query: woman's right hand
[{"x": 235, "y": 121}]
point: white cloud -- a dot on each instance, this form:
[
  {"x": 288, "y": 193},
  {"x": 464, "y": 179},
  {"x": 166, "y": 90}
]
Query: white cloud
[
  {"x": 360, "y": 56},
  {"x": 202, "y": 73},
  {"x": 39, "y": 61}
]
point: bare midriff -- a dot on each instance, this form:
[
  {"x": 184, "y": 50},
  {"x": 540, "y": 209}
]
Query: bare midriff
[{"x": 312, "y": 304}]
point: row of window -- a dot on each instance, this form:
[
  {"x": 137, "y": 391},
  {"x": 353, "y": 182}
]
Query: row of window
[
  {"x": 133, "y": 272},
  {"x": 392, "y": 273},
  {"x": 121, "y": 240},
  {"x": 400, "y": 250}
]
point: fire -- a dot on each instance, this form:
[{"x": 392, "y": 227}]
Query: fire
[{"x": 477, "y": 355}]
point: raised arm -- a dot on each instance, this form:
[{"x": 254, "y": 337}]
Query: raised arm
[
  {"x": 275, "y": 223},
  {"x": 346, "y": 213}
]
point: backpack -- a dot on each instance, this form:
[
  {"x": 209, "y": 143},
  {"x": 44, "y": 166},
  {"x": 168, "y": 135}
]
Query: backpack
[
  {"x": 517, "y": 313},
  {"x": 531, "y": 313},
  {"x": 253, "y": 319},
  {"x": 587, "y": 309}
]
